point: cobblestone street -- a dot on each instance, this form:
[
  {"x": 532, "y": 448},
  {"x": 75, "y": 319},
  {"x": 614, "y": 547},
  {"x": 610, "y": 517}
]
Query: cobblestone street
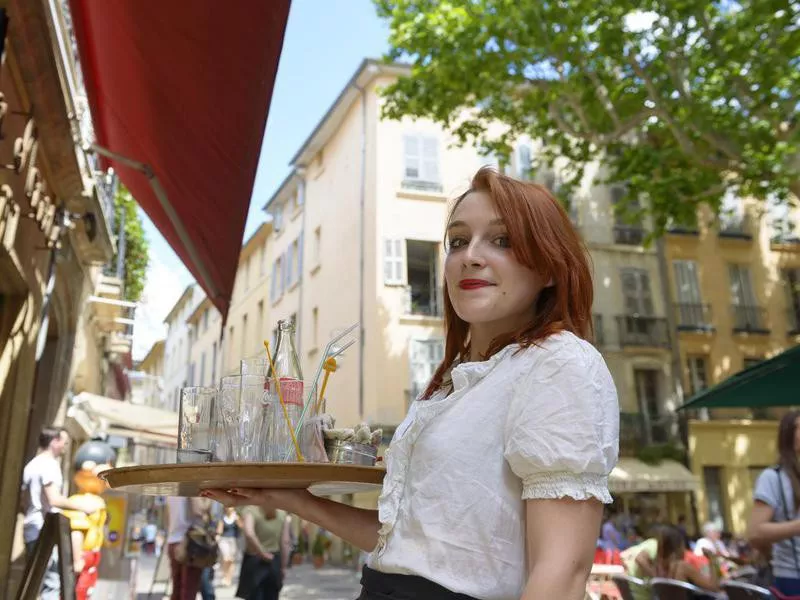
[{"x": 303, "y": 582}]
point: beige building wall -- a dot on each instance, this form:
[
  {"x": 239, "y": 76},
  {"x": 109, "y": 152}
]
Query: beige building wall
[
  {"x": 204, "y": 355},
  {"x": 249, "y": 319}
]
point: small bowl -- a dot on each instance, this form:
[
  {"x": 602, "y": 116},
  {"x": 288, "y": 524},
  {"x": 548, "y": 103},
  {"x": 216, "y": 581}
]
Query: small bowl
[{"x": 351, "y": 453}]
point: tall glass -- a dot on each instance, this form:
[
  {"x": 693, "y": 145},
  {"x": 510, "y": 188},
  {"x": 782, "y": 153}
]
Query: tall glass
[
  {"x": 248, "y": 418},
  {"x": 196, "y": 414}
]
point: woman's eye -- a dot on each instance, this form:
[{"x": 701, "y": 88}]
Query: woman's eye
[
  {"x": 502, "y": 241},
  {"x": 457, "y": 243}
]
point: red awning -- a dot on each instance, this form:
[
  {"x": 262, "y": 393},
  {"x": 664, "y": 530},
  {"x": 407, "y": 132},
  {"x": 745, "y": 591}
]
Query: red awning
[{"x": 179, "y": 93}]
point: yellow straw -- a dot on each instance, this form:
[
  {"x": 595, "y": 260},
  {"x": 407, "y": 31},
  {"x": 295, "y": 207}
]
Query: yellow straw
[
  {"x": 283, "y": 404},
  {"x": 330, "y": 367}
]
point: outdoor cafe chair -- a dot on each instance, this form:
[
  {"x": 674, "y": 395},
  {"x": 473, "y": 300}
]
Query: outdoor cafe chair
[
  {"x": 626, "y": 584},
  {"x": 671, "y": 589},
  {"x": 738, "y": 590}
]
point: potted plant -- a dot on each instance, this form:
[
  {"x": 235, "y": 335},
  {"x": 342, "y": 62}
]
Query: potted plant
[
  {"x": 318, "y": 550},
  {"x": 302, "y": 549}
]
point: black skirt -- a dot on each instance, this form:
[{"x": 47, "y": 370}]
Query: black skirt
[{"x": 390, "y": 586}]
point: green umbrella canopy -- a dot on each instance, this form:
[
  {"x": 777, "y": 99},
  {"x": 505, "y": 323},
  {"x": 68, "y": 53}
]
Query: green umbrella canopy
[{"x": 773, "y": 382}]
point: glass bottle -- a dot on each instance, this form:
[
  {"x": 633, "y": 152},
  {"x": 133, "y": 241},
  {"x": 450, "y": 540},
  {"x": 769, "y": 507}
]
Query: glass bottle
[{"x": 288, "y": 372}]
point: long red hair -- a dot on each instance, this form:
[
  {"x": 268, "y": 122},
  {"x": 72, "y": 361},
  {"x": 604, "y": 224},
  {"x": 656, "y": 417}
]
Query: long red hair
[{"x": 544, "y": 240}]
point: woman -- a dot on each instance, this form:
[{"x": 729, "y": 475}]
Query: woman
[
  {"x": 671, "y": 563},
  {"x": 774, "y": 522},
  {"x": 227, "y": 537},
  {"x": 266, "y": 534},
  {"x": 497, "y": 477}
]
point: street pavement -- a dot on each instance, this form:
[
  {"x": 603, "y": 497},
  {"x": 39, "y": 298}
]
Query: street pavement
[{"x": 303, "y": 582}]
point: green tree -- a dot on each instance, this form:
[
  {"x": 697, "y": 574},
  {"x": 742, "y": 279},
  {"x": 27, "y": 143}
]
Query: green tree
[
  {"x": 136, "y": 244},
  {"x": 681, "y": 99}
]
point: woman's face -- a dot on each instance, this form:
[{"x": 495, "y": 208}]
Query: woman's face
[{"x": 486, "y": 284}]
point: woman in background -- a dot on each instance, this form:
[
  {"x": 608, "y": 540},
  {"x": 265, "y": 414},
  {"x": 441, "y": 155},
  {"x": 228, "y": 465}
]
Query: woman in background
[{"x": 228, "y": 529}]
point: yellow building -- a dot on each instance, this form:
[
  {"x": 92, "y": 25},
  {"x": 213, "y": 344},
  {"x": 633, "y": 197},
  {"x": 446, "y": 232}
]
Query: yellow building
[{"x": 735, "y": 284}]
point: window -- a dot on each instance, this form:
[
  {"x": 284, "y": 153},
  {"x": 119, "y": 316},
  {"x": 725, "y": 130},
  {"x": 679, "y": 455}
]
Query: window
[
  {"x": 300, "y": 197},
  {"x": 425, "y": 357},
  {"x": 315, "y": 327},
  {"x": 246, "y": 275},
  {"x": 262, "y": 261},
  {"x": 696, "y": 367},
  {"x": 524, "y": 162},
  {"x": 276, "y": 285},
  {"x": 636, "y": 292},
  {"x": 421, "y": 161},
  {"x": 231, "y": 346},
  {"x": 712, "y": 477},
  {"x": 791, "y": 285},
  {"x": 300, "y": 238},
  {"x": 243, "y": 352},
  {"x": 422, "y": 275},
  {"x": 741, "y": 286},
  {"x": 205, "y": 320},
  {"x": 648, "y": 398},
  {"x": 203, "y": 369},
  {"x": 291, "y": 263},
  {"x": 624, "y": 232},
  {"x": 214, "y": 363},
  {"x": 316, "y": 250},
  {"x": 691, "y": 311},
  {"x": 393, "y": 262},
  {"x": 260, "y": 317},
  {"x": 191, "y": 374},
  {"x": 277, "y": 217}
]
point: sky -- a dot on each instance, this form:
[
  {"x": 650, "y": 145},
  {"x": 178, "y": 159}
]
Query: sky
[{"x": 325, "y": 41}]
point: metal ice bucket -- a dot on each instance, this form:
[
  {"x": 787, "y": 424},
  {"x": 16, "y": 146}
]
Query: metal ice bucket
[{"x": 351, "y": 453}]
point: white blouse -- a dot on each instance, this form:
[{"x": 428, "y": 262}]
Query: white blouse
[{"x": 538, "y": 423}]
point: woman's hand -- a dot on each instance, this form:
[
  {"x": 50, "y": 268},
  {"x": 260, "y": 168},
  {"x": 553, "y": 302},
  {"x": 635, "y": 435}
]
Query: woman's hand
[{"x": 283, "y": 499}]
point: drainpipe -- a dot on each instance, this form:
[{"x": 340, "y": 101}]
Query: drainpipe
[
  {"x": 676, "y": 365},
  {"x": 362, "y": 192},
  {"x": 301, "y": 192}
]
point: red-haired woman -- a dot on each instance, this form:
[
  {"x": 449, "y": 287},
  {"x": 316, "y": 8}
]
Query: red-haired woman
[{"x": 496, "y": 478}]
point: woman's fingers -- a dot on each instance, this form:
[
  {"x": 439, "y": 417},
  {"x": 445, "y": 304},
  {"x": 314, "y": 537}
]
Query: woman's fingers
[{"x": 226, "y": 497}]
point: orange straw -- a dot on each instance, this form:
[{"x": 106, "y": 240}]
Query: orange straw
[
  {"x": 283, "y": 404},
  {"x": 330, "y": 367}
]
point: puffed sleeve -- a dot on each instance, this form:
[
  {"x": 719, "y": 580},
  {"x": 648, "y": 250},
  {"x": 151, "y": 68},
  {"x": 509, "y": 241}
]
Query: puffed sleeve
[{"x": 562, "y": 430}]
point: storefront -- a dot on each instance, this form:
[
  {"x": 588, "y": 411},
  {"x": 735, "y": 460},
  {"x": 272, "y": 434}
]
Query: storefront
[
  {"x": 727, "y": 457},
  {"x": 653, "y": 494}
]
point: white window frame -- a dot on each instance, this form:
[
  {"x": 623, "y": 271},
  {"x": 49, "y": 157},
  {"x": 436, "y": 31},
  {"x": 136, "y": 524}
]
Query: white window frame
[
  {"x": 742, "y": 279},
  {"x": 421, "y": 153},
  {"x": 277, "y": 217},
  {"x": 394, "y": 261},
  {"x": 424, "y": 357},
  {"x": 687, "y": 282}
]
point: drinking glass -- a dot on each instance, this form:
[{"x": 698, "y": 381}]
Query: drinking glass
[
  {"x": 310, "y": 436},
  {"x": 248, "y": 418},
  {"x": 195, "y": 424}
]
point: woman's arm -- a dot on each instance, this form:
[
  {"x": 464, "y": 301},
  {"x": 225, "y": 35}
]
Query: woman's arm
[
  {"x": 645, "y": 563},
  {"x": 762, "y": 533},
  {"x": 286, "y": 544},
  {"x": 693, "y": 575},
  {"x": 358, "y": 526},
  {"x": 561, "y": 536}
]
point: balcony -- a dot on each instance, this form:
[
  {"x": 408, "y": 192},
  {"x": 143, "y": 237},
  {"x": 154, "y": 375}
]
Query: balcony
[
  {"x": 419, "y": 185},
  {"x": 736, "y": 227},
  {"x": 637, "y": 430},
  {"x": 682, "y": 230},
  {"x": 693, "y": 317},
  {"x": 640, "y": 331},
  {"x": 629, "y": 235},
  {"x": 749, "y": 319},
  {"x": 793, "y": 319},
  {"x": 786, "y": 241}
]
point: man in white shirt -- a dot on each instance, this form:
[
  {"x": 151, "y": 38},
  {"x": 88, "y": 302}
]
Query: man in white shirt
[{"x": 42, "y": 484}]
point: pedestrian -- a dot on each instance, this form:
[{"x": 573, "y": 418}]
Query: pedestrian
[
  {"x": 228, "y": 530},
  {"x": 181, "y": 512},
  {"x": 510, "y": 445},
  {"x": 774, "y": 522},
  {"x": 150, "y": 531},
  {"x": 671, "y": 563},
  {"x": 266, "y": 533},
  {"x": 42, "y": 483}
]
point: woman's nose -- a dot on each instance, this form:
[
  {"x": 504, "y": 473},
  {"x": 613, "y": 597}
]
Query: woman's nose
[{"x": 473, "y": 257}]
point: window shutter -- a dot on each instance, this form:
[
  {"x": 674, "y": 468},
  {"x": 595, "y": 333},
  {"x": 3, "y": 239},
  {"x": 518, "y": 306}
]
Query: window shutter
[
  {"x": 688, "y": 288},
  {"x": 393, "y": 262},
  {"x": 283, "y": 273},
  {"x": 273, "y": 285},
  {"x": 636, "y": 291},
  {"x": 301, "y": 193},
  {"x": 524, "y": 161},
  {"x": 430, "y": 159},
  {"x": 300, "y": 256},
  {"x": 412, "y": 157}
]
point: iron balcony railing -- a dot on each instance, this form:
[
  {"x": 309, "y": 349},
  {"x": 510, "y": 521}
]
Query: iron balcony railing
[
  {"x": 749, "y": 319},
  {"x": 630, "y": 235},
  {"x": 693, "y": 317},
  {"x": 637, "y": 330},
  {"x": 637, "y": 430},
  {"x": 736, "y": 226}
]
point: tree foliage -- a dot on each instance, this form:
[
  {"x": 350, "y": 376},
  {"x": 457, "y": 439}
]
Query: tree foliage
[
  {"x": 682, "y": 100},
  {"x": 136, "y": 244}
]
